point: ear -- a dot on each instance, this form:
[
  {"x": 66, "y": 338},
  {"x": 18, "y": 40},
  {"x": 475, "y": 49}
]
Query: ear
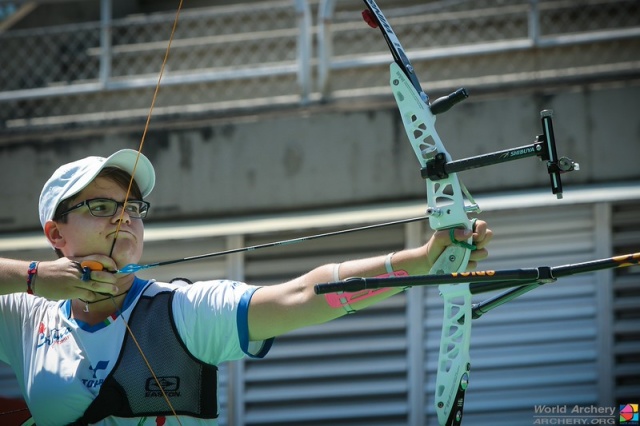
[{"x": 53, "y": 234}]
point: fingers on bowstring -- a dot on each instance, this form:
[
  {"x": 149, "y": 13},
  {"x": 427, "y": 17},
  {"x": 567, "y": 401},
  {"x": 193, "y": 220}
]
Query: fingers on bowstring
[
  {"x": 86, "y": 295},
  {"x": 97, "y": 270},
  {"x": 95, "y": 290},
  {"x": 83, "y": 272},
  {"x": 97, "y": 285},
  {"x": 97, "y": 281}
]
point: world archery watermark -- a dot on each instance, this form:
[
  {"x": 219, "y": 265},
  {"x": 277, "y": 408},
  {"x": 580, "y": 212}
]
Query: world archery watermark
[
  {"x": 629, "y": 414},
  {"x": 624, "y": 415}
]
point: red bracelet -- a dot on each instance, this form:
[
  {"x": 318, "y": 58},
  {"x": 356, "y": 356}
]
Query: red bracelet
[{"x": 31, "y": 276}]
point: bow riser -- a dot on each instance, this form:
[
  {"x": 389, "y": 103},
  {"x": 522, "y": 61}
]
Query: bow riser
[
  {"x": 445, "y": 196},
  {"x": 445, "y": 200}
]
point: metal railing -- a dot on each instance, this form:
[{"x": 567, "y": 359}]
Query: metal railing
[
  {"x": 271, "y": 53},
  {"x": 106, "y": 49},
  {"x": 458, "y": 31}
]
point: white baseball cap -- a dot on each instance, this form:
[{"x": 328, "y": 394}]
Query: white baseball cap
[{"x": 72, "y": 178}]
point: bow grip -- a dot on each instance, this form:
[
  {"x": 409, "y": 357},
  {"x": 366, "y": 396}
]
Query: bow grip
[{"x": 453, "y": 259}]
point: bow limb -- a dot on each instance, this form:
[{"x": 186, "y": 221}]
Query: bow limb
[{"x": 446, "y": 203}]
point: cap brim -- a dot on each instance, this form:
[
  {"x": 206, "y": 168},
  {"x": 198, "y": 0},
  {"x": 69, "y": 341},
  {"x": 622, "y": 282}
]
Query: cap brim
[{"x": 126, "y": 159}]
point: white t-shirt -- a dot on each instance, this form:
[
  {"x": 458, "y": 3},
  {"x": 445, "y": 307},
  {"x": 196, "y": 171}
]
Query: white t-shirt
[{"x": 61, "y": 363}]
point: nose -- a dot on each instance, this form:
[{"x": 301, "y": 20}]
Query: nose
[{"x": 121, "y": 214}]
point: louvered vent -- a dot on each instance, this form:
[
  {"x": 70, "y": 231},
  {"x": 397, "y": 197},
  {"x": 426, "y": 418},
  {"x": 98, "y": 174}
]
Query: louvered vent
[
  {"x": 352, "y": 371},
  {"x": 626, "y": 286},
  {"x": 540, "y": 348}
]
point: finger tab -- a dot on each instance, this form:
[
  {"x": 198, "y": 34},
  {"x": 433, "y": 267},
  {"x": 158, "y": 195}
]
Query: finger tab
[{"x": 92, "y": 265}]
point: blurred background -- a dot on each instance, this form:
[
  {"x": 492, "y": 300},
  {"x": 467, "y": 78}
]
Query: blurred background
[{"x": 275, "y": 120}]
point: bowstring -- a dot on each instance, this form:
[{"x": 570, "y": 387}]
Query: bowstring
[
  {"x": 146, "y": 361},
  {"x": 146, "y": 125},
  {"x": 126, "y": 199}
]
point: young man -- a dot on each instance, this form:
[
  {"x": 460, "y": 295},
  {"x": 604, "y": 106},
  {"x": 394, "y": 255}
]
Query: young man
[{"x": 105, "y": 347}]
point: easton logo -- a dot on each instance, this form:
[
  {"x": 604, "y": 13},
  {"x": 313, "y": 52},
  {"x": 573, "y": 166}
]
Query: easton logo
[
  {"x": 169, "y": 384},
  {"x": 474, "y": 274}
]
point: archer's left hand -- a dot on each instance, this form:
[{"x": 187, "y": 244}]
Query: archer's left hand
[{"x": 481, "y": 234}]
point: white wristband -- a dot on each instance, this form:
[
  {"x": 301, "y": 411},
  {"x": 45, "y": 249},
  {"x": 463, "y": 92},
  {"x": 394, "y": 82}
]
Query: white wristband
[
  {"x": 387, "y": 263},
  {"x": 389, "y": 268}
]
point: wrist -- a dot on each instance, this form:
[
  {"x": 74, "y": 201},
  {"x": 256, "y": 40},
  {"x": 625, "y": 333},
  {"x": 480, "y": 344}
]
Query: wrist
[
  {"x": 390, "y": 270},
  {"x": 32, "y": 273}
]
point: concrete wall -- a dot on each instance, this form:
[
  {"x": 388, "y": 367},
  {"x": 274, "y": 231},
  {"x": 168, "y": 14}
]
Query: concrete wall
[{"x": 337, "y": 154}]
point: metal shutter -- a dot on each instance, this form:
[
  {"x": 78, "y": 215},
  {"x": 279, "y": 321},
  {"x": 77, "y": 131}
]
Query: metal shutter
[
  {"x": 626, "y": 309},
  {"x": 352, "y": 371}
]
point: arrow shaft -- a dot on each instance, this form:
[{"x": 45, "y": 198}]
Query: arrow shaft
[{"x": 132, "y": 268}]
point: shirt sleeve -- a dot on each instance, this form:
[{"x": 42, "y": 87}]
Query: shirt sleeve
[
  {"x": 12, "y": 318},
  {"x": 212, "y": 320}
]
